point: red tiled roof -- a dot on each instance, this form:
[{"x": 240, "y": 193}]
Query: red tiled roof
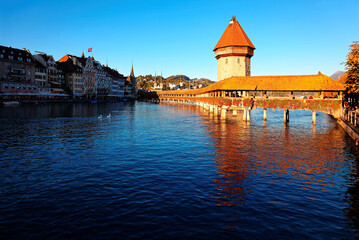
[
  {"x": 234, "y": 35},
  {"x": 64, "y": 58}
]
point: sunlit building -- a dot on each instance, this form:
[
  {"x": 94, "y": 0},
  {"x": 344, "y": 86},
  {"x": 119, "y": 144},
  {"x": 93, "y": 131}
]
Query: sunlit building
[{"x": 233, "y": 52}]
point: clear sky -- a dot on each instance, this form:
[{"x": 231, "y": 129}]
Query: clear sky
[{"x": 178, "y": 37}]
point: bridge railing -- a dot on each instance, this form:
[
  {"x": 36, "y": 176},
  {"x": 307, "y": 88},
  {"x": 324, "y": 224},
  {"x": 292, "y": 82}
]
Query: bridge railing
[{"x": 350, "y": 116}]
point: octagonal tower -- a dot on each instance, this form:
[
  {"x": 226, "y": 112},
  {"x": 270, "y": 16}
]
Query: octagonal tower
[{"x": 233, "y": 52}]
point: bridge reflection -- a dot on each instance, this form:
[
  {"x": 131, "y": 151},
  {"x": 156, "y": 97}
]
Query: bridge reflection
[{"x": 250, "y": 157}]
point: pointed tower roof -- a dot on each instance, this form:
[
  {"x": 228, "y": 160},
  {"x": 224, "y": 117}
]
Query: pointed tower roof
[
  {"x": 132, "y": 73},
  {"x": 234, "y": 35}
]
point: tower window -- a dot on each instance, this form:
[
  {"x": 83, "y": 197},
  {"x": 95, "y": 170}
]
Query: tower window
[
  {"x": 238, "y": 60},
  {"x": 226, "y": 60}
]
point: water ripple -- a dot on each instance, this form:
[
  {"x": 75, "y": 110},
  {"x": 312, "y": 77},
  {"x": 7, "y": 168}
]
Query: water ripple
[{"x": 168, "y": 172}]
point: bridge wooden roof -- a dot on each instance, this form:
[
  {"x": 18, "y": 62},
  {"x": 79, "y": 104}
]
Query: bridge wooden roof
[{"x": 306, "y": 83}]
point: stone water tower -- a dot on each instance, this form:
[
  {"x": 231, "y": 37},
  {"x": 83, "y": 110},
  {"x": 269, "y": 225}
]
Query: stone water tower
[{"x": 233, "y": 52}]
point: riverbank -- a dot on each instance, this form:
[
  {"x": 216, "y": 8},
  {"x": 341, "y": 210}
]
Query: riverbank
[
  {"x": 350, "y": 129},
  {"x": 44, "y": 101}
]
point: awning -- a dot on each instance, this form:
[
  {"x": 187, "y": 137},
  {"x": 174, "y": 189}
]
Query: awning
[{"x": 57, "y": 90}]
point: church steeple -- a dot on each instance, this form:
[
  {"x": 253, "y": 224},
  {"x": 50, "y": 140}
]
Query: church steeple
[
  {"x": 132, "y": 73},
  {"x": 82, "y": 55}
]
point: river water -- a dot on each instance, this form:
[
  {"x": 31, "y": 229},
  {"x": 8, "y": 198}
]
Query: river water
[{"x": 173, "y": 172}]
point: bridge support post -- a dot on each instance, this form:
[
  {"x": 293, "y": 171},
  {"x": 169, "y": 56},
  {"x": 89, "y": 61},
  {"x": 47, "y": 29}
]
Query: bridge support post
[
  {"x": 286, "y": 115},
  {"x": 314, "y": 117},
  {"x": 265, "y": 114},
  {"x": 246, "y": 115},
  {"x": 223, "y": 113},
  {"x": 215, "y": 110},
  {"x": 234, "y": 113},
  {"x": 211, "y": 108}
]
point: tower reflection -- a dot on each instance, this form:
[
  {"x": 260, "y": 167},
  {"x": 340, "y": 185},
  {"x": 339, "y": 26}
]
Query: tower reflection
[{"x": 251, "y": 155}]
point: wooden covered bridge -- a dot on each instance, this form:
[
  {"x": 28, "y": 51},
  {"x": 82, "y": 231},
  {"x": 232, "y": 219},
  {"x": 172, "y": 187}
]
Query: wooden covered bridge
[{"x": 309, "y": 92}]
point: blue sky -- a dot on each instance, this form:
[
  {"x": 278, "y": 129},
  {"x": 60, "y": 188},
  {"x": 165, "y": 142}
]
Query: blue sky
[{"x": 177, "y": 37}]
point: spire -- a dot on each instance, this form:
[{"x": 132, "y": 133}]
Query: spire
[
  {"x": 234, "y": 35},
  {"x": 82, "y": 55},
  {"x": 132, "y": 73}
]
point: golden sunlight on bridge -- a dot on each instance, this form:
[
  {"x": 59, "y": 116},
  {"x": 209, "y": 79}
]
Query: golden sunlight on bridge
[{"x": 237, "y": 90}]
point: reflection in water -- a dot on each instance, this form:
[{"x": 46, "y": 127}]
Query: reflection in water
[
  {"x": 293, "y": 155},
  {"x": 162, "y": 171},
  {"x": 352, "y": 194}
]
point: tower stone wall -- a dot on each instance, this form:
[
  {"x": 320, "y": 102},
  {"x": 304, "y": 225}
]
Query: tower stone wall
[{"x": 233, "y": 66}]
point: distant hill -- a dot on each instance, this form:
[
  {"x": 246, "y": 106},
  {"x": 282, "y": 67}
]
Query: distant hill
[
  {"x": 337, "y": 75},
  {"x": 203, "y": 81},
  {"x": 178, "y": 78}
]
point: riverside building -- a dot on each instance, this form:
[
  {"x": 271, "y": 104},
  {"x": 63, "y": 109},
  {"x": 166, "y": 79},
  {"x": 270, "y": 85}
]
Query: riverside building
[
  {"x": 89, "y": 76},
  {"x": 72, "y": 69},
  {"x": 17, "y": 73},
  {"x": 118, "y": 82}
]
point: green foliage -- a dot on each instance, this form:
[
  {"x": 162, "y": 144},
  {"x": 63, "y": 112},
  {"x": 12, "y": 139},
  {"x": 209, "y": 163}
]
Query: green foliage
[{"x": 144, "y": 85}]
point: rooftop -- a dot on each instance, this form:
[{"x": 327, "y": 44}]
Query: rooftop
[
  {"x": 234, "y": 35},
  {"x": 308, "y": 83}
]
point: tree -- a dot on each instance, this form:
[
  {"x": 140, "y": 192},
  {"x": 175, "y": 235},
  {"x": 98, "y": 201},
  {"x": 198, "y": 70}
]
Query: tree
[{"x": 352, "y": 66}]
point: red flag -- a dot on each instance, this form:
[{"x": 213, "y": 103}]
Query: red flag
[{"x": 90, "y": 50}]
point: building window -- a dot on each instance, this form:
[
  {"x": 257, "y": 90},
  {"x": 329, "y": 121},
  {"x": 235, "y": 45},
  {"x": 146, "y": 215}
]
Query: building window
[
  {"x": 1, "y": 55},
  {"x": 11, "y": 57},
  {"x": 226, "y": 60},
  {"x": 19, "y": 58},
  {"x": 28, "y": 59}
]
